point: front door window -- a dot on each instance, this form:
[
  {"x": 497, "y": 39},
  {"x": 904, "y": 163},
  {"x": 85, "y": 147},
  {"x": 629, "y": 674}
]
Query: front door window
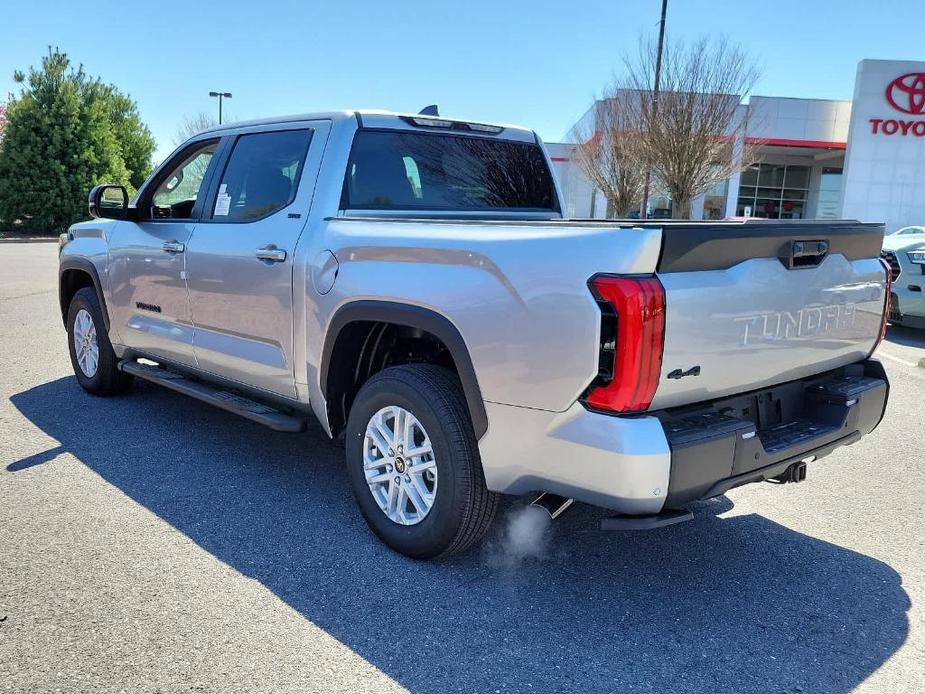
[{"x": 176, "y": 194}]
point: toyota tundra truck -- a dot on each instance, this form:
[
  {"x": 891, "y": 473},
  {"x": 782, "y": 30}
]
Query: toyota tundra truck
[{"x": 410, "y": 282}]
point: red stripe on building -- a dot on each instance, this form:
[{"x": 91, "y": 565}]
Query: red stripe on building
[{"x": 782, "y": 142}]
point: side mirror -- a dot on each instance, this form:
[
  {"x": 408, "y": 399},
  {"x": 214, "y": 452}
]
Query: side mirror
[{"x": 108, "y": 202}]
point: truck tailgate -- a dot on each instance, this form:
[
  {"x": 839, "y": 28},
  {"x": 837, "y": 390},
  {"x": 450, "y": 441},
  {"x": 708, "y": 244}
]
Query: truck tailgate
[{"x": 756, "y": 304}]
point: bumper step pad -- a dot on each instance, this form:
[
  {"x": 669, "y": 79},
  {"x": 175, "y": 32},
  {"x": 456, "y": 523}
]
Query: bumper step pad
[{"x": 658, "y": 520}]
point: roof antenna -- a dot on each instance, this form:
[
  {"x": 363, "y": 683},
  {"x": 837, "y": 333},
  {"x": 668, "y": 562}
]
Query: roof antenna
[{"x": 429, "y": 111}]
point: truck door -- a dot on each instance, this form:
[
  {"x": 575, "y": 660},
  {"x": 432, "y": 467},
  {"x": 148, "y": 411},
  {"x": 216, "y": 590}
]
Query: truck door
[
  {"x": 240, "y": 259},
  {"x": 149, "y": 303}
]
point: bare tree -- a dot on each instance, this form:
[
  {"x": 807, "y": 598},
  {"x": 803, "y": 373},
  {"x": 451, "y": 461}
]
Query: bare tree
[
  {"x": 695, "y": 138},
  {"x": 189, "y": 126},
  {"x": 608, "y": 152}
]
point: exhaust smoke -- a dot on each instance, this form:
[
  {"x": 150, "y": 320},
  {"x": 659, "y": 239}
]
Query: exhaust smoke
[
  {"x": 526, "y": 531},
  {"x": 525, "y": 536}
]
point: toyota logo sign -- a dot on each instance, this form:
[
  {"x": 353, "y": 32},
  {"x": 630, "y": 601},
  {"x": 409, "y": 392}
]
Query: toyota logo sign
[{"x": 907, "y": 93}]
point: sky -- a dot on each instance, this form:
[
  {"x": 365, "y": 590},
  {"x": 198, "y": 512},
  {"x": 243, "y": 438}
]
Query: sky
[{"x": 538, "y": 64}]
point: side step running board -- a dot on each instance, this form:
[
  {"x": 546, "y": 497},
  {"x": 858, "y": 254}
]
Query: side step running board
[
  {"x": 249, "y": 409},
  {"x": 659, "y": 520}
]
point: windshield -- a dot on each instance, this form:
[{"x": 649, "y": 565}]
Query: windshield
[{"x": 436, "y": 171}]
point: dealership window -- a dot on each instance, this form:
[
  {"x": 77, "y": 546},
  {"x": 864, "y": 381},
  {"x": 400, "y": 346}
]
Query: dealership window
[
  {"x": 774, "y": 191},
  {"x": 714, "y": 201},
  {"x": 829, "y": 204}
]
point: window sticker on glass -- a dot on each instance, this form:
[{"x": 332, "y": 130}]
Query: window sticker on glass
[{"x": 222, "y": 202}]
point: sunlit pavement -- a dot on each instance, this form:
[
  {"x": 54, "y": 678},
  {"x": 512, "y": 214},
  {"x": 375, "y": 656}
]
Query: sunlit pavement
[{"x": 150, "y": 543}]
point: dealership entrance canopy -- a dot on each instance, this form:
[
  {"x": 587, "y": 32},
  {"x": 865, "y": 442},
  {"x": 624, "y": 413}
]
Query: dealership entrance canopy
[{"x": 819, "y": 158}]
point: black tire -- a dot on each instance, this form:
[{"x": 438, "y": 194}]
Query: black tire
[
  {"x": 463, "y": 507},
  {"x": 107, "y": 379}
]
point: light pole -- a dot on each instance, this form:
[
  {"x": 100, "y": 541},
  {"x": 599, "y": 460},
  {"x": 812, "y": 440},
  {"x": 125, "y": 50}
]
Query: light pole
[
  {"x": 220, "y": 95},
  {"x": 644, "y": 208}
]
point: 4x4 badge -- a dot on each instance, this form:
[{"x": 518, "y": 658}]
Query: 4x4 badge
[{"x": 678, "y": 373}]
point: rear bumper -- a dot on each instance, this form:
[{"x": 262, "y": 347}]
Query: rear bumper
[
  {"x": 642, "y": 465},
  {"x": 622, "y": 463},
  {"x": 757, "y": 436}
]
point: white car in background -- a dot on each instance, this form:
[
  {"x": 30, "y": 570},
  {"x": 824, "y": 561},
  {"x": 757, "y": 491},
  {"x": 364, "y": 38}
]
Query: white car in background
[
  {"x": 908, "y": 231},
  {"x": 904, "y": 250}
]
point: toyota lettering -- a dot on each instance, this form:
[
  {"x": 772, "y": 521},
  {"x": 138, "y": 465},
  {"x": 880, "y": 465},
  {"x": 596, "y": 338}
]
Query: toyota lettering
[{"x": 906, "y": 94}]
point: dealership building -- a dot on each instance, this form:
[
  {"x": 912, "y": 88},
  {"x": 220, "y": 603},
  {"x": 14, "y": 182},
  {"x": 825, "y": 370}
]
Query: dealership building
[{"x": 819, "y": 158}]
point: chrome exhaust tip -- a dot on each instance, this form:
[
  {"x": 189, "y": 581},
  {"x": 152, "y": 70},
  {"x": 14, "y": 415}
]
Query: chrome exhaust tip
[{"x": 553, "y": 504}]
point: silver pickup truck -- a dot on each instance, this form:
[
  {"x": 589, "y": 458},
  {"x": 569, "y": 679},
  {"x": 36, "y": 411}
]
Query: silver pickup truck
[{"x": 411, "y": 282}]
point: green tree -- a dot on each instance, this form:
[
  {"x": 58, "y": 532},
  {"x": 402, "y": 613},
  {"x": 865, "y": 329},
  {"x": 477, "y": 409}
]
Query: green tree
[{"x": 64, "y": 133}]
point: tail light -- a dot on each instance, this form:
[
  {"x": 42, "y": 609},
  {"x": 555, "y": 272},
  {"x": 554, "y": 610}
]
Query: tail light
[
  {"x": 886, "y": 303},
  {"x": 632, "y": 339}
]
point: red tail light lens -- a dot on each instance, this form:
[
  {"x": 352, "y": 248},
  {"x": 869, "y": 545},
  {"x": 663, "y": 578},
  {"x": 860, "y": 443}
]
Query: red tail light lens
[
  {"x": 632, "y": 339},
  {"x": 886, "y": 303}
]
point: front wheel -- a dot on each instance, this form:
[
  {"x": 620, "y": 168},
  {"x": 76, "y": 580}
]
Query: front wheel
[
  {"x": 92, "y": 357},
  {"x": 414, "y": 464}
]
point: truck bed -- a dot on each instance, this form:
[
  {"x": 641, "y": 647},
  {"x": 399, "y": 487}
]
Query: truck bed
[{"x": 748, "y": 304}]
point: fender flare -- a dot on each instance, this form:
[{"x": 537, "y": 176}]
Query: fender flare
[
  {"x": 87, "y": 267},
  {"x": 411, "y": 316}
]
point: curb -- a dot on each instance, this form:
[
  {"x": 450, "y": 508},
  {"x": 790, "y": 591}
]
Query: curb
[{"x": 31, "y": 239}]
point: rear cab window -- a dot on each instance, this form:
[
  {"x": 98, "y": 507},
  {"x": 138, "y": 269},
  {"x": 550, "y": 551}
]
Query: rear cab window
[{"x": 408, "y": 170}]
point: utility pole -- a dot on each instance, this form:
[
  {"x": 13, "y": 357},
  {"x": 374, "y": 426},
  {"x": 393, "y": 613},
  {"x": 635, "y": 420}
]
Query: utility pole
[
  {"x": 644, "y": 209},
  {"x": 220, "y": 95}
]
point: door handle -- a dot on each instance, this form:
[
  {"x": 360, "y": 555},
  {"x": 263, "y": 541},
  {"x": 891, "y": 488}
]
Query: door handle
[
  {"x": 797, "y": 254},
  {"x": 173, "y": 247},
  {"x": 271, "y": 253}
]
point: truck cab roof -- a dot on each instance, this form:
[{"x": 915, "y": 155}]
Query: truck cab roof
[{"x": 371, "y": 118}]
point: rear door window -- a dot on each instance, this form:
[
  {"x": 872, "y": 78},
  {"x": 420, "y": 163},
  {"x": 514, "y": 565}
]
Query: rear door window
[
  {"x": 410, "y": 170},
  {"x": 262, "y": 175}
]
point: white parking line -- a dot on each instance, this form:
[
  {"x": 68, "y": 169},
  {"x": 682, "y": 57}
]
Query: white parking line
[{"x": 896, "y": 359}]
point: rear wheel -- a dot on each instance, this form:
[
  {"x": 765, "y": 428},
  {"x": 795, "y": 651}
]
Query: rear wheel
[
  {"x": 92, "y": 356},
  {"x": 414, "y": 464}
]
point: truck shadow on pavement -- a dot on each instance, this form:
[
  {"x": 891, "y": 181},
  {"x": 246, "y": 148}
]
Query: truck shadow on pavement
[
  {"x": 739, "y": 604},
  {"x": 908, "y": 337}
]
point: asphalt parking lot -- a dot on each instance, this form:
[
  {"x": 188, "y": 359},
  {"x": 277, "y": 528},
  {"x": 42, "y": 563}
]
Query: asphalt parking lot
[{"x": 149, "y": 543}]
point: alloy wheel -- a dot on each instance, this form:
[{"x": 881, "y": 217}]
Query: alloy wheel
[
  {"x": 399, "y": 464},
  {"x": 86, "y": 346}
]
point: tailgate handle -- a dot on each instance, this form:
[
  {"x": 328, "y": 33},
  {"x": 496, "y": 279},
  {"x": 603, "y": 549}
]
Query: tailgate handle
[{"x": 797, "y": 254}]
